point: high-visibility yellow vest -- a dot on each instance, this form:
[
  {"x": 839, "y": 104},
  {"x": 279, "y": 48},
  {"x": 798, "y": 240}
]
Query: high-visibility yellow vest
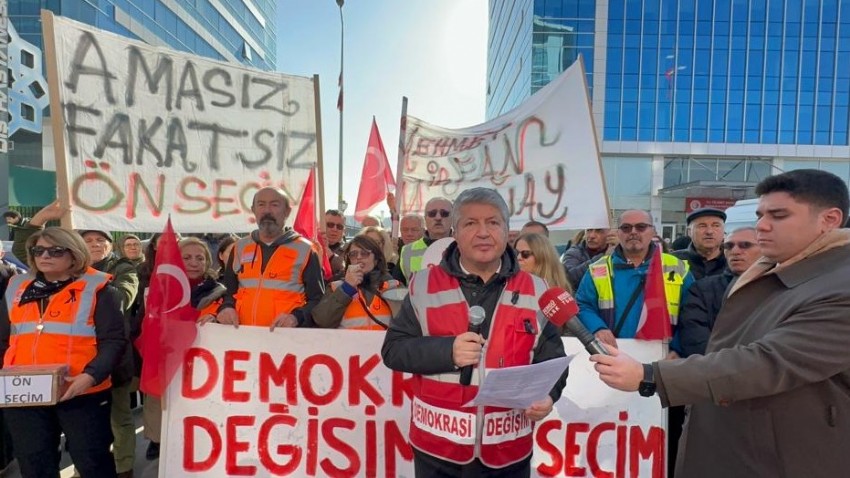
[
  {"x": 411, "y": 257},
  {"x": 674, "y": 270}
]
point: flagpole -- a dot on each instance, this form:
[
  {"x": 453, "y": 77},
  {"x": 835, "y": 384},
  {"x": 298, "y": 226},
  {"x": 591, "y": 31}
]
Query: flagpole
[
  {"x": 340, "y": 201},
  {"x": 320, "y": 164},
  {"x": 399, "y": 168}
]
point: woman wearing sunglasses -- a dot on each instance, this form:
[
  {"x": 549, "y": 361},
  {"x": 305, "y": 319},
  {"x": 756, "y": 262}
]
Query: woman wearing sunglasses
[
  {"x": 356, "y": 302},
  {"x": 536, "y": 255},
  {"x": 63, "y": 312}
]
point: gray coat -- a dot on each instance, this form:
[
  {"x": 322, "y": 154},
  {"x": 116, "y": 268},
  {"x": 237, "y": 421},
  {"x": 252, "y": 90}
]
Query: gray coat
[{"x": 771, "y": 398}]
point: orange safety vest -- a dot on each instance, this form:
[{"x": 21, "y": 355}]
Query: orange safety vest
[
  {"x": 356, "y": 317},
  {"x": 439, "y": 423},
  {"x": 64, "y": 334},
  {"x": 263, "y": 295}
]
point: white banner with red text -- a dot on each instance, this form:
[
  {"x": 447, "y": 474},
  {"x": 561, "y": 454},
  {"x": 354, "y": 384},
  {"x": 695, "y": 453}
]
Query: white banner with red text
[
  {"x": 150, "y": 132},
  {"x": 320, "y": 403},
  {"x": 542, "y": 157}
]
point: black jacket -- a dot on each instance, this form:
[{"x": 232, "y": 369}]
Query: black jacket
[
  {"x": 406, "y": 350},
  {"x": 696, "y": 319},
  {"x": 576, "y": 261},
  {"x": 699, "y": 266}
]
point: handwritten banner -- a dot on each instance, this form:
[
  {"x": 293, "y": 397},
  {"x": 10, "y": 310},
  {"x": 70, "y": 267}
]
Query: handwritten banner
[
  {"x": 150, "y": 132},
  {"x": 310, "y": 402},
  {"x": 542, "y": 157}
]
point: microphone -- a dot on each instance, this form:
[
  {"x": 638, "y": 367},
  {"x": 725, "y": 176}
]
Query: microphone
[
  {"x": 560, "y": 308},
  {"x": 476, "y": 318}
]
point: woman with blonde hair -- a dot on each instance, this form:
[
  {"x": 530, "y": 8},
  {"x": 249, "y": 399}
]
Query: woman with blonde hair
[
  {"x": 536, "y": 255},
  {"x": 63, "y": 312}
]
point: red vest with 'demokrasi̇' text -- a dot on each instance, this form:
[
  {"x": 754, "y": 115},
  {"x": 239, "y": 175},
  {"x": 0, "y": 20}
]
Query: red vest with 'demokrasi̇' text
[{"x": 439, "y": 423}]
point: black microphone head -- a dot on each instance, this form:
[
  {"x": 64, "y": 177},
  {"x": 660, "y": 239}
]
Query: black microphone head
[{"x": 476, "y": 315}]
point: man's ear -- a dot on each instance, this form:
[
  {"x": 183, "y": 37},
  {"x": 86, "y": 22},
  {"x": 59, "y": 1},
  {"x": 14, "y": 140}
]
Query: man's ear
[{"x": 832, "y": 218}]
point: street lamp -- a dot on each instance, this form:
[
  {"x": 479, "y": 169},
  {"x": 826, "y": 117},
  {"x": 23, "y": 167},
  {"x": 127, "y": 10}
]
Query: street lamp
[{"x": 341, "y": 203}]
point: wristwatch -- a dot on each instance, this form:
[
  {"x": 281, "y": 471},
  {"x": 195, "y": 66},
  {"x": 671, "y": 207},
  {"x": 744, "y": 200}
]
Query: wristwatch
[{"x": 647, "y": 385}]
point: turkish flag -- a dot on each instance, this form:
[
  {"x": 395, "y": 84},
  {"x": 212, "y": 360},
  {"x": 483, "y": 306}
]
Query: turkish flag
[
  {"x": 169, "y": 327},
  {"x": 654, "y": 321},
  {"x": 307, "y": 225},
  {"x": 377, "y": 177}
]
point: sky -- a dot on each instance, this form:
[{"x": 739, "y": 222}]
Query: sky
[{"x": 432, "y": 51}]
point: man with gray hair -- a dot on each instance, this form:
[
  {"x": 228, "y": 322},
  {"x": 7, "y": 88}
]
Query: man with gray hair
[
  {"x": 437, "y": 216},
  {"x": 706, "y": 296},
  {"x": 430, "y": 338}
]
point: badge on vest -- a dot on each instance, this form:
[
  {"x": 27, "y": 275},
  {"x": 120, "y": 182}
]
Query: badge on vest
[{"x": 247, "y": 257}]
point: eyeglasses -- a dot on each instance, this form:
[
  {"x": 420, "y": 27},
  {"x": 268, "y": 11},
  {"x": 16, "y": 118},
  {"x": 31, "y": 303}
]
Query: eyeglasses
[
  {"x": 639, "y": 227},
  {"x": 525, "y": 254},
  {"x": 55, "y": 251},
  {"x": 358, "y": 254},
  {"x": 442, "y": 212},
  {"x": 332, "y": 225},
  {"x": 743, "y": 245}
]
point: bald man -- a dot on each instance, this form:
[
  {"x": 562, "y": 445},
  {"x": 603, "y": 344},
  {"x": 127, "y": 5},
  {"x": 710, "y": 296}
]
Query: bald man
[{"x": 273, "y": 276}]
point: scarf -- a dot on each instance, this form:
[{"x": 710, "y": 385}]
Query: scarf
[{"x": 41, "y": 288}]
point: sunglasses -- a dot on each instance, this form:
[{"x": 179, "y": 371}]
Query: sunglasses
[
  {"x": 639, "y": 227},
  {"x": 525, "y": 254},
  {"x": 743, "y": 245},
  {"x": 358, "y": 254},
  {"x": 442, "y": 212},
  {"x": 54, "y": 252},
  {"x": 340, "y": 227}
]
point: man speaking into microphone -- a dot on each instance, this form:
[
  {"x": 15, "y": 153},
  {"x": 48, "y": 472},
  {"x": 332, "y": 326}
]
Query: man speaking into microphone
[{"x": 434, "y": 338}]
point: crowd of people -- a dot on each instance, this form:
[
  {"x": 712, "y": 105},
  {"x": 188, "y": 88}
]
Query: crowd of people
[{"x": 94, "y": 285}]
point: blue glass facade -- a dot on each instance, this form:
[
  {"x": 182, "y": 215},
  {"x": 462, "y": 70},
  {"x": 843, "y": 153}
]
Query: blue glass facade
[
  {"x": 728, "y": 71},
  {"x": 691, "y": 98},
  {"x": 228, "y": 30},
  {"x": 531, "y": 43}
]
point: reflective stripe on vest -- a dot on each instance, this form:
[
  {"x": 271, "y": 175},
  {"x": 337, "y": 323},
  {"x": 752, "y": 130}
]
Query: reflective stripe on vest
[
  {"x": 69, "y": 338},
  {"x": 411, "y": 257},
  {"x": 674, "y": 271},
  {"x": 279, "y": 288},
  {"x": 356, "y": 318},
  {"x": 439, "y": 422}
]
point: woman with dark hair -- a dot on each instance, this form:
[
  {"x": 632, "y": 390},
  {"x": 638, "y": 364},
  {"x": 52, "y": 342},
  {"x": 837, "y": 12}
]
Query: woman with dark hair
[
  {"x": 225, "y": 247},
  {"x": 356, "y": 302},
  {"x": 63, "y": 312}
]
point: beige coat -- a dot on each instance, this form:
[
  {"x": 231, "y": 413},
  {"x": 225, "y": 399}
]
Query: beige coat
[{"x": 771, "y": 398}]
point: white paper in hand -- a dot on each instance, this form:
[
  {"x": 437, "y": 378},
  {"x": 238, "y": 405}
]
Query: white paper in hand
[{"x": 519, "y": 387}]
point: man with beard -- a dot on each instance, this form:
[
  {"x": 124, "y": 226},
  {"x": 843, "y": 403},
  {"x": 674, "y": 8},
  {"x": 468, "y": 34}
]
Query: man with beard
[
  {"x": 273, "y": 276},
  {"x": 437, "y": 226},
  {"x": 611, "y": 294},
  {"x": 705, "y": 256}
]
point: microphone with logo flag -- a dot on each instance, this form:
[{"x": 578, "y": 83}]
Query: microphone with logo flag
[
  {"x": 560, "y": 308},
  {"x": 169, "y": 327}
]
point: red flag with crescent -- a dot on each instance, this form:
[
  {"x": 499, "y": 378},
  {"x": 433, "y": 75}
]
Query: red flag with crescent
[
  {"x": 169, "y": 326},
  {"x": 377, "y": 178}
]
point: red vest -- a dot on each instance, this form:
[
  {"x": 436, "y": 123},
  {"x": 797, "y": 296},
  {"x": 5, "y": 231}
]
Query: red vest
[
  {"x": 439, "y": 423},
  {"x": 64, "y": 333},
  {"x": 265, "y": 294}
]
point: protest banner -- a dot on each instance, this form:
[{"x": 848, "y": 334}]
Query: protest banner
[
  {"x": 142, "y": 132},
  {"x": 309, "y": 402},
  {"x": 542, "y": 157}
]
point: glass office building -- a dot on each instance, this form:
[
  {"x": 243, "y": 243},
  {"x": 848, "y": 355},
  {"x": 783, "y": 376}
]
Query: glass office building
[
  {"x": 694, "y": 101},
  {"x": 238, "y": 31}
]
